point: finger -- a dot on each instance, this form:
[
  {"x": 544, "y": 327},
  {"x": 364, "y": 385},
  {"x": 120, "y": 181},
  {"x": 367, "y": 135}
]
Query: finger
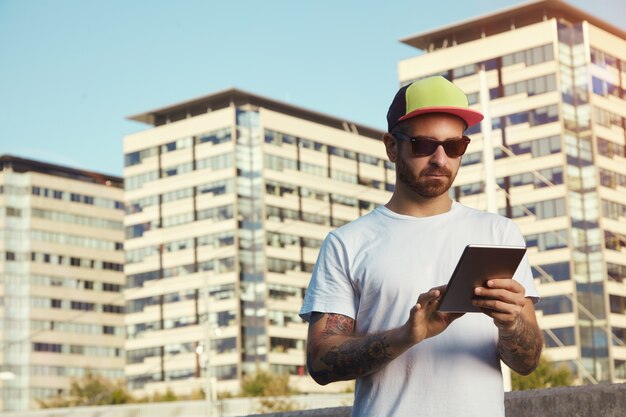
[
  {"x": 506, "y": 284},
  {"x": 498, "y": 306},
  {"x": 500, "y": 294},
  {"x": 429, "y": 296}
]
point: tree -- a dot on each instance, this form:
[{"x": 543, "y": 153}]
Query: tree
[
  {"x": 92, "y": 389},
  {"x": 273, "y": 388},
  {"x": 546, "y": 375}
]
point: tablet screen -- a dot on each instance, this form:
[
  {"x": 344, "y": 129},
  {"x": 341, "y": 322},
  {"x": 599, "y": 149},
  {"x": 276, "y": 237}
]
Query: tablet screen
[{"x": 477, "y": 264}]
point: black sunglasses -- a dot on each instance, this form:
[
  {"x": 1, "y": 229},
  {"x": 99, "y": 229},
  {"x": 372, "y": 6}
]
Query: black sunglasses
[{"x": 426, "y": 146}]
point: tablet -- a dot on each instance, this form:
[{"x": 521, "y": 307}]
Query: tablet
[{"x": 478, "y": 263}]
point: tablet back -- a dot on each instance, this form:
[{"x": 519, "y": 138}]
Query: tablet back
[{"x": 478, "y": 263}]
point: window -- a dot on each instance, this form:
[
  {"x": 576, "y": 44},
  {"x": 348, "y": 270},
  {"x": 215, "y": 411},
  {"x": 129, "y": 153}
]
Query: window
[
  {"x": 552, "y": 272},
  {"x": 563, "y": 336},
  {"x": 557, "y": 304}
]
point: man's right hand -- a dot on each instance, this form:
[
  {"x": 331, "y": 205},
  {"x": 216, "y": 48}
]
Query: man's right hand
[{"x": 424, "y": 319}]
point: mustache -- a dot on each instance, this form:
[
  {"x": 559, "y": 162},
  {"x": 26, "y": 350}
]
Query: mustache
[{"x": 437, "y": 171}]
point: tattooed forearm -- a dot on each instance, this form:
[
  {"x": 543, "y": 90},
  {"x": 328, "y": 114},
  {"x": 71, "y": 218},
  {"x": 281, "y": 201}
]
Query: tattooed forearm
[
  {"x": 521, "y": 348},
  {"x": 357, "y": 357},
  {"x": 336, "y": 353}
]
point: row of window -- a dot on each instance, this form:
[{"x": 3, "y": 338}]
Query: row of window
[
  {"x": 215, "y": 240},
  {"x": 542, "y": 178},
  {"x": 75, "y": 327},
  {"x": 563, "y": 336},
  {"x": 608, "y": 119},
  {"x": 614, "y": 241},
  {"x": 40, "y": 302},
  {"x": 283, "y": 265},
  {"x": 221, "y": 265},
  {"x": 284, "y": 292},
  {"x": 283, "y": 189},
  {"x": 220, "y": 319},
  {"x": 75, "y": 372},
  {"x": 281, "y": 240},
  {"x": 220, "y": 213},
  {"x": 281, "y": 214},
  {"x": 281, "y": 344},
  {"x": 559, "y": 271},
  {"x": 606, "y": 88},
  {"x": 77, "y": 219},
  {"x": 51, "y": 258},
  {"x": 553, "y": 239},
  {"x": 613, "y": 210},
  {"x": 534, "y": 117},
  {"x": 530, "y": 87},
  {"x": 604, "y": 59},
  {"x": 220, "y": 373},
  {"x": 214, "y": 137},
  {"x": 74, "y": 240},
  {"x": 611, "y": 149},
  {"x": 97, "y": 351},
  {"x": 214, "y": 163},
  {"x": 541, "y": 209},
  {"x": 537, "y": 147},
  {"x": 283, "y": 318},
  {"x": 82, "y": 284},
  {"x": 77, "y": 198},
  {"x": 528, "y": 57},
  {"x": 612, "y": 179},
  {"x": 283, "y": 139},
  {"x": 616, "y": 272}
]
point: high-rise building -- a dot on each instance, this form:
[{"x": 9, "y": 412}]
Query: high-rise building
[
  {"x": 228, "y": 199},
  {"x": 61, "y": 279},
  {"x": 551, "y": 79}
]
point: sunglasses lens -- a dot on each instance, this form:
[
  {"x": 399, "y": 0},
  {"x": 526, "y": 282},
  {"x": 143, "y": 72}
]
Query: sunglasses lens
[
  {"x": 424, "y": 147},
  {"x": 453, "y": 147}
]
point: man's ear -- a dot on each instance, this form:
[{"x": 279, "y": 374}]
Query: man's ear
[{"x": 391, "y": 146}]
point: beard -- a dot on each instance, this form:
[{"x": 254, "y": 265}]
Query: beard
[{"x": 421, "y": 184}]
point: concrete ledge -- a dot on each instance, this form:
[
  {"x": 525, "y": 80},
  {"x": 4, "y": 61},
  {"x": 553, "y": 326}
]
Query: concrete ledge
[
  {"x": 604, "y": 400},
  {"x": 320, "y": 412}
]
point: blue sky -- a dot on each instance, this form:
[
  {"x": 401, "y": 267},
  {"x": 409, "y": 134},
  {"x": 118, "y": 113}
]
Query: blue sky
[{"x": 71, "y": 71}]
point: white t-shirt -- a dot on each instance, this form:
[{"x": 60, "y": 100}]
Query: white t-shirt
[{"x": 373, "y": 270}]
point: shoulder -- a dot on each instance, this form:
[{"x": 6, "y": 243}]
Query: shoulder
[
  {"x": 366, "y": 225},
  {"x": 499, "y": 225}
]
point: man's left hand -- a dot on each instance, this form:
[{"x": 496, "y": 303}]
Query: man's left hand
[{"x": 502, "y": 299}]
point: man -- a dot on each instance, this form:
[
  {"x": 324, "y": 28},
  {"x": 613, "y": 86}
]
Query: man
[{"x": 409, "y": 359}]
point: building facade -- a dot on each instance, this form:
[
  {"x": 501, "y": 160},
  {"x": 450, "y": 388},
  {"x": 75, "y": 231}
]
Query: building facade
[
  {"x": 228, "y": 199},
  {"x": 61, "y": 279},
  {"x": 551, "y": 80}
]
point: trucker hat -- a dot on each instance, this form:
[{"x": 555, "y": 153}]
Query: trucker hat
[{"x": 430, "y": 95}]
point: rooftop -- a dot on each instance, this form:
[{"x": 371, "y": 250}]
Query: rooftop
[
  {"x": 16, "y": 164},
  {"x": 505, "y": 20},
  {"x": 236, "y": 97}
]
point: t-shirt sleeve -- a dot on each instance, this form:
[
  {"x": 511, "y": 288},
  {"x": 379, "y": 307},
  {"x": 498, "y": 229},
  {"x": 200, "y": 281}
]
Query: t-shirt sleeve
[
  {"x": 330, "y": 289},
  {"x": 524, "y": 274}
]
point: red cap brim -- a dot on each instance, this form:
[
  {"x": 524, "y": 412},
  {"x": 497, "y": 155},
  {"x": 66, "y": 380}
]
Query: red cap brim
[{"x": 471, "y": 117}]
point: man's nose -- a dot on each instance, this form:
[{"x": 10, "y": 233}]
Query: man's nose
[{"x": 439, "y": 157}]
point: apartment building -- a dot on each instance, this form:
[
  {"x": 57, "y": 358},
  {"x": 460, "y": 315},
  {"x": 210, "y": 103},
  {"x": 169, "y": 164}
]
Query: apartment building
[
  {"x": 550, "y": 154},
  {"x": 228, "y": 199},
  {"x": 61, "y": 279}
]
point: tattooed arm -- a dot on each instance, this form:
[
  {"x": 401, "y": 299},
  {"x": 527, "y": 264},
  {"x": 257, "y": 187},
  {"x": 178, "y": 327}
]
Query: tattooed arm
[
  {"x": 336, "y": 353},
  {"x": 520, "y": 341}
]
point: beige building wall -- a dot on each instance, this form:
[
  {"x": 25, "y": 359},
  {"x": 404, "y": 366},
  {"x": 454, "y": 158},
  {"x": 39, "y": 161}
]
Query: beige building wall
[
  {"x": 62, "y": 279},
  {"x": 237, "y": 201}
]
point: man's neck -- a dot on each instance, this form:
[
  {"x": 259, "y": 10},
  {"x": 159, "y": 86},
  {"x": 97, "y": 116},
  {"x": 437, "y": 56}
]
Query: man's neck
[{"x": 419, "y": 207}]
